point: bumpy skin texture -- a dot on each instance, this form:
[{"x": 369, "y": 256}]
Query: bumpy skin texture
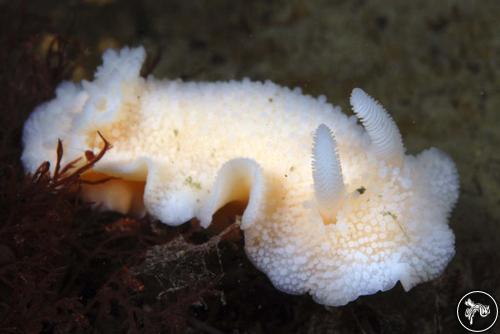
[{"x": 198, "y": 146}]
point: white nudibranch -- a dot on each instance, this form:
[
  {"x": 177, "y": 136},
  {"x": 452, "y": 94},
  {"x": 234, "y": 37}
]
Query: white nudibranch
[{"x": 353, "y": 217}]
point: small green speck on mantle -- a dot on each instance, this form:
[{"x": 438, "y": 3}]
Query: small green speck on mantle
[
  {"x": 389, "y": 213},
  {"x": 361, "y": 190},
  {"x": 189, "y": 181}
]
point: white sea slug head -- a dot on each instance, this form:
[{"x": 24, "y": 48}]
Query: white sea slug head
[
  {"x": 334, "y": 208},
  {"x": 381, "y": 216}
]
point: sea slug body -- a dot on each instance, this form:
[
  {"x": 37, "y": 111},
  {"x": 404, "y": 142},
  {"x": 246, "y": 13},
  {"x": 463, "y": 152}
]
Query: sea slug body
[{"x": 334, "y": 208}]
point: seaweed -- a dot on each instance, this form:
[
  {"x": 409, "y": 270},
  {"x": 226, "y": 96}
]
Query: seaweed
[{"x": 66, "y": 270}]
